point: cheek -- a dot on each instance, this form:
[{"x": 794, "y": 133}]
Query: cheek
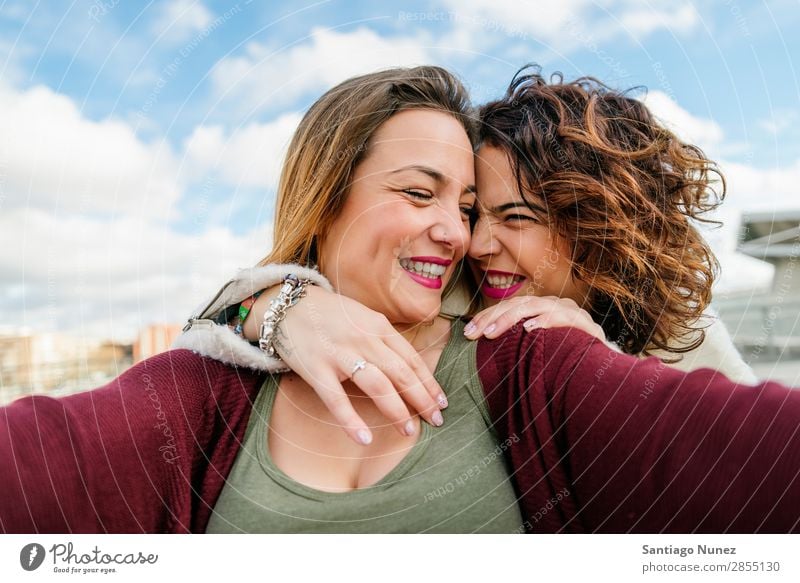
[
  {"x": 555, "y": 274},
  {"x": 530, "y": 248},
  {"x": 540, "y": 257},
  {"x": 347, "y": 243}
]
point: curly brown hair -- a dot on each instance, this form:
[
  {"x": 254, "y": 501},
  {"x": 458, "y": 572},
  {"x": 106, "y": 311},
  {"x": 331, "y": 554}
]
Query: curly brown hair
[{"x": 623, "y": 191}]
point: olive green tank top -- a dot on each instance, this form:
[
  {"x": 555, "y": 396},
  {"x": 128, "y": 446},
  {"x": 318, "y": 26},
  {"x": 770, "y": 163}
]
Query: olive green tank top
[{"x": 454, "y": 479}]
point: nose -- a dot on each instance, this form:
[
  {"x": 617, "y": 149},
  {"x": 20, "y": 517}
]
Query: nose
[
  {"x": 450, "y": 231},
  {"x": 483, "y": 244}
]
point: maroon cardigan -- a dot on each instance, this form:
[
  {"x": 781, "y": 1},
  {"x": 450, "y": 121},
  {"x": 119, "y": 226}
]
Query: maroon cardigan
[
  {"x": 602, "y": 442},
  {"x": 611, "y": 443}
]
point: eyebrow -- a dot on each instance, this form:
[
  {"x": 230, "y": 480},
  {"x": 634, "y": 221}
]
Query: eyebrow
[
  {"x": 513, "y": 205},
  {"x": 437, "y": 176}
]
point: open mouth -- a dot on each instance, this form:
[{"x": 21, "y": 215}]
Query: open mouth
[
  {"x": 501, "y": 284},
  {"x": 427, "y": 271}
]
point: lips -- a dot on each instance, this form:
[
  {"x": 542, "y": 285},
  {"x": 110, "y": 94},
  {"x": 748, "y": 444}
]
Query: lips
[
  {"x": 499, "y": 285},
  {"x": 426, "y": 271}
]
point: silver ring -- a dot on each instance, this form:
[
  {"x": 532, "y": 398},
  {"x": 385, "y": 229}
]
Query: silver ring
[{"x": 359, "y": 365}]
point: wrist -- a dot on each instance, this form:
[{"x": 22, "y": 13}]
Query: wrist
[
  {"x": 292, "y": 291},
  {"x": 261, "y": 305},
  {"x": 257, "y": 311}
]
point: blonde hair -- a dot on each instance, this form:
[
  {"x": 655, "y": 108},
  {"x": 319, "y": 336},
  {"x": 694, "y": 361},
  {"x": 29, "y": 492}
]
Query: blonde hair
[{"x": 334, "y": 136}]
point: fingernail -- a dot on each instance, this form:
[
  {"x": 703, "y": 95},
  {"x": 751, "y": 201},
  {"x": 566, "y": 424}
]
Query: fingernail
[
  {"x": 364, "y": 436},
  {"x": 491, "y": 328},
  {"x": 469, "y": 329},
  {"x": 437, "y": 419},
  {"x": 531, "y": 324},
  {"x": 442, "y": 400},
  {"x": 409, "y": 428}
]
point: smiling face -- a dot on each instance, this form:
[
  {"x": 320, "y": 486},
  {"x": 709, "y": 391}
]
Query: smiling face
[
  {"x": 404, "y": 224},
  {"x": 513, "y": 250}
]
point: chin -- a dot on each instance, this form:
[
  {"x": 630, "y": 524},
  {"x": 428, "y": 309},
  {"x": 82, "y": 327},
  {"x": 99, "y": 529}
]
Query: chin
[{"x": 420, "y": 314}]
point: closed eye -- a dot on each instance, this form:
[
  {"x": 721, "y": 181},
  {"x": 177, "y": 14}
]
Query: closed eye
[
  {"x": 418, "y": 194},
  {"x": 470, "y": 214},
  {"x": 519, "y": 218}
]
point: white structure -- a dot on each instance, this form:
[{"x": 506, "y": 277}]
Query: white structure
[{"x": 766, "y": 326}]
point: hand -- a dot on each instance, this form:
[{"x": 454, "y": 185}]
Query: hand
[
  {"x": 538, "y": 312},
  {"x": 325, "y": 334}
]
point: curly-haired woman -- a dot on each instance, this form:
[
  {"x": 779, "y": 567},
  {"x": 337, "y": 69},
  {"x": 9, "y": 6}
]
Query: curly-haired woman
[{"x": 585, "y": 195}]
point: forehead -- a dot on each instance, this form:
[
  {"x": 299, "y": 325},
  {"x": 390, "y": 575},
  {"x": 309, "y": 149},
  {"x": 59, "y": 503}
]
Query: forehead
[
  {"x": 422, "y": 137},
  {"x": 495, "y": 178}
]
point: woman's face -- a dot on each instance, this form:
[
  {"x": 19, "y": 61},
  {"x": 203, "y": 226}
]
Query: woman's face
[
  {"x": 404, "y": 224},
  {"x": 513, "y": 252}
]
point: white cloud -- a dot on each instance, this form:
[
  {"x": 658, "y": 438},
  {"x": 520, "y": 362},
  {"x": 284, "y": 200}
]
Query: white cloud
[
  {"x": 108, "y": 279},
  {"x": 55, "y": 157},
  {"x": 178, "y": 19},
  {"x": 269, "y": 76},
  {"x": 12, "y": 58},
  {"x": 754, "y": 188},
  {"x": 704, "y": 132},
  {"x": 513, "y": 17},
  {"x": 85, "y": 215},
  {"x": 249, "y": 156},
  {"x": 641, "y": 21},
  {"x": 564, "y": 26},
  {"x": 780, "y": 122}
]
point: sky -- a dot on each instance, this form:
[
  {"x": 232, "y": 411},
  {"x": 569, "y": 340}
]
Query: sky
[{"x": 140, "y": 143}]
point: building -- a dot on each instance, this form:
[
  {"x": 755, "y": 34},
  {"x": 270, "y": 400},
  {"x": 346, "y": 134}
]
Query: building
[
  {"x": 766, "y": 325},
  {"x": 56, "y": 364},
  {"x": 154, "y": 339}
]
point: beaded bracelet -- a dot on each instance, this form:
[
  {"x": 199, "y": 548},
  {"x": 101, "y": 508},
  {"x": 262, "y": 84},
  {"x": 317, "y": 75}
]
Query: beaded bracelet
[{"x": 292, "y": 290}]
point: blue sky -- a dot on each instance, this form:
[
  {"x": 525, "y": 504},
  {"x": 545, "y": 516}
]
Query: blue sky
[{"x": 141, "y": 141}]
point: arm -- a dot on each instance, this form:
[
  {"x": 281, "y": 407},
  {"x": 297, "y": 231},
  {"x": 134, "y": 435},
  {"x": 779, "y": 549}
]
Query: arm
[
  {"x": 637, "y": 446},
  {"x": 717, "y": 350},
  {"x": 321, "y": 339},
  {"x": 146, "y": 453}
]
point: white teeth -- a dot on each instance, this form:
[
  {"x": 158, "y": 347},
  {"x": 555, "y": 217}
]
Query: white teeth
[
  {"x": 430, "y": 270},
  {"x": 503, "y": 281}
]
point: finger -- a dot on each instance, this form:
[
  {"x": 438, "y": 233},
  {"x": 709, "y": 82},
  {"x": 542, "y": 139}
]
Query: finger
[
  {"x": 486, "y": 320},
  {"x": 409, "y": 387},
  {"x": 472, "y": 327},
  {"x": 528, "y": 307},
  {"x": 332, "y": 393},
  {"x": 404, "y": 350},
  {"x": 513, "y": 316},
  {"x": 377, "y": 386},
  {"x": 565, "y": 320},
  {"x": 552, "y": 320},
  {"x": 476, "y": 326}
]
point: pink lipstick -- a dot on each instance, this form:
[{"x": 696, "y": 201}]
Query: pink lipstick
[
  {"x": 427, "y": 271},
  {"x": 497, "y": 293}
]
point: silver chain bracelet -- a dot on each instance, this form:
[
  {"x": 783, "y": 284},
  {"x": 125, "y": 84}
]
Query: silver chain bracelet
[{"x": 292, "y": 290}]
